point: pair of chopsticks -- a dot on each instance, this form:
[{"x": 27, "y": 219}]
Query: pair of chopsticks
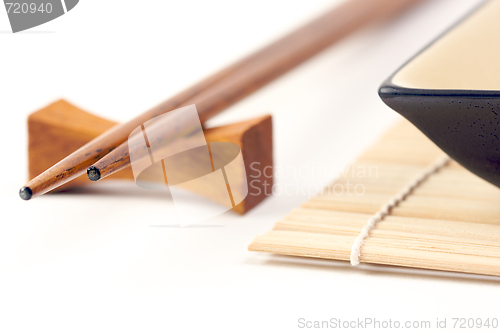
[{"x": 108, "y": 153}]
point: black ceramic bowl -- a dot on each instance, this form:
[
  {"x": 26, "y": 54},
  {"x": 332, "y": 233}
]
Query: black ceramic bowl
[{"x": 451, "y": 91}]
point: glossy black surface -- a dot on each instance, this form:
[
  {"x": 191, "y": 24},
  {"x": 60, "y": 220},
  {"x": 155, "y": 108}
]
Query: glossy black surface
[{"x": 465, "y": 124}]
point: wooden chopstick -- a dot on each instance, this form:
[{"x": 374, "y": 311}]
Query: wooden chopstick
[{"x": 108, "y": 153}]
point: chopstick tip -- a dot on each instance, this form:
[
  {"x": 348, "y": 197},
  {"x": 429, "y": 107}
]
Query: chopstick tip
[
  {"x": 25, "y": 193},
  {"x": 93, "y": 173}
]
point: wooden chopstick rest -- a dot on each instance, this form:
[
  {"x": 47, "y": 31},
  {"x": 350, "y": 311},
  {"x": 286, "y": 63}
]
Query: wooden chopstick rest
[{"x": 61, "y": 128}]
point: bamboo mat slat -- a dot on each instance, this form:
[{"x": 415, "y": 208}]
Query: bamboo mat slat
[{"x": 450, "y": 222}]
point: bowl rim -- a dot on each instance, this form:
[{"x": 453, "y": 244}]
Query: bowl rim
[{"x": 388, "y": 89}]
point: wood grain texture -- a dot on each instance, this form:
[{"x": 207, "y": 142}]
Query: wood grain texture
[
  {"x": 225, "y": 88},
  {"x": 60, "y": 128},
  {"x": 450, "y": 222}
]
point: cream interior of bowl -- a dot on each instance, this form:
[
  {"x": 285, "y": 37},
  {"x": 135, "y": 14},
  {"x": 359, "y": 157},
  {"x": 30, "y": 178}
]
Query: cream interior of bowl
[{"x": 465, "y": 58}]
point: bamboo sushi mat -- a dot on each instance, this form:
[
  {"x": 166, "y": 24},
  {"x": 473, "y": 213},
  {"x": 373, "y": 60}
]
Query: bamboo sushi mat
[{"x": 450, "y": 221}]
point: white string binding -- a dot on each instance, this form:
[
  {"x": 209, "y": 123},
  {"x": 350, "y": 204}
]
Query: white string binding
[{"x": 385, "y": 210}]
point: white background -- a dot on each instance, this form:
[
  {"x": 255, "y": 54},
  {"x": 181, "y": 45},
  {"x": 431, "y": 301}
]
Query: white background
[{"x": 109, "y": 257}]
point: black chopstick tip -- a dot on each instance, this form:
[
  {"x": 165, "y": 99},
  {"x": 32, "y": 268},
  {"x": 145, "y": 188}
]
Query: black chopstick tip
[
  {"x": 25, "y": 193},
  {"x": 93, "y": 173}
]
